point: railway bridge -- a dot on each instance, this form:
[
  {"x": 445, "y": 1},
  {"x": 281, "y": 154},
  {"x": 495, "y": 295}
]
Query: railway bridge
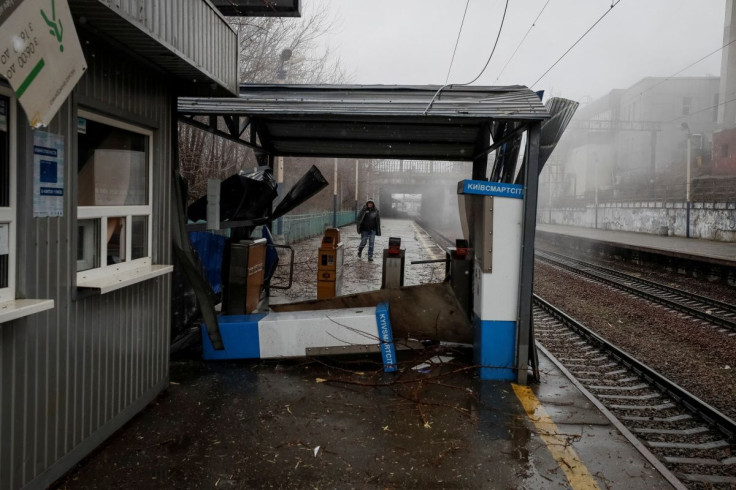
[{"x": 418, "y": 188}]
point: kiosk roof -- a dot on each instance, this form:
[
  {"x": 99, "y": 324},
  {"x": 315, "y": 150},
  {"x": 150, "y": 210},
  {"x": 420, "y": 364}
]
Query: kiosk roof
[{"x": 359, "y": 121}]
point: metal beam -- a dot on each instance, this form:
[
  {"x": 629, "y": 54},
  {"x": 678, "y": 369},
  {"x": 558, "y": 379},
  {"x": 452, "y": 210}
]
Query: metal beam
[
  {"x": 263, "y": 135},
  {"x": 524, "y": 333},
  {"x": 497, "y": 144},
  {"x": 480, "y": 161},
  {"x": 377, "y": 142},
  {"x": 233, "y": 124},
  {"x": 213, "y": 129},
  {"x": 371, "y": 153},
  {"x": 245, "y": 125}
]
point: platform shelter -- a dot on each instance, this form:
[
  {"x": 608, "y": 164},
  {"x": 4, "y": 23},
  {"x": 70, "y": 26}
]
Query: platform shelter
[{"x": 455, "y": 123}]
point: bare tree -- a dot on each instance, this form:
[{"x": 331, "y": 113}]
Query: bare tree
[
  {"x": 203, "y": 156},
  {"x": 264, "y": 39}
]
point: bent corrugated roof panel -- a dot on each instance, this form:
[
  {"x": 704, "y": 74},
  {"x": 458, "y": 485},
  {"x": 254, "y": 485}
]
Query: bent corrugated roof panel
[
  {"x": 374, "y": 121},
  {"x": 513, "y": 102}
]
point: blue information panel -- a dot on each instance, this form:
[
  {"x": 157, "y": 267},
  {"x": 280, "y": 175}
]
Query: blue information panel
[
  {"x": 485, "y": 188},
  {"x": 48, "y": 174},
  {"x": 388, "y": 350}
]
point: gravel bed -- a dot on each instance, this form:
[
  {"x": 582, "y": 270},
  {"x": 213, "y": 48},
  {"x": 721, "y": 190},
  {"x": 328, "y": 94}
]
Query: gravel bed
[
  {"x": 695, "y": 356},
  {"x": 702, "y": 286}
]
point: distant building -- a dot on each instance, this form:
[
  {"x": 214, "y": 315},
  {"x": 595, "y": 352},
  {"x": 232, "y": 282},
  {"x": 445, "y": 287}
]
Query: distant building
[
  {"x": 636, "y": 138},
  {"x": 724, "y": 140}
]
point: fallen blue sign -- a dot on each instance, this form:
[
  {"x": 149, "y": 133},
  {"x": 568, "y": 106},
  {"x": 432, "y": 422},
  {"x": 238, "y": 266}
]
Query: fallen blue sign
[
  {"x": 386, "y": 337},
  {"x": 484, "y": 188}
]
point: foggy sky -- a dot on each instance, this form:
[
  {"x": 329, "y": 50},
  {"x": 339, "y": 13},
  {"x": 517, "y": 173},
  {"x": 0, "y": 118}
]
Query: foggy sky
[{"x": 411, "y": 41}]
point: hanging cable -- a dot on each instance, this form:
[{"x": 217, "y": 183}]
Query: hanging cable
[
  {"x": 688, "y": 66},
  {"x": 457, "y": 41},
  {"x": 500, "y": 28},
  {"x": 522, "y": 41},
  {"x": 576, "y": 42},
  {"x": 701, "y": 110}
]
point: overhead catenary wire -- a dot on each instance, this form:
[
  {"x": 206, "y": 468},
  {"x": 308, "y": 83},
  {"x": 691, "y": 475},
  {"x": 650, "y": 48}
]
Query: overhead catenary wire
[
  {"x": 457, "y": 41},
  {"x": 702, "y": 110},
  {"x": 688, "y": 66},
  {"x": 534, "y": 23},
  {"x": 498, "y": 36},
  {"x": 613, "y": 4}
]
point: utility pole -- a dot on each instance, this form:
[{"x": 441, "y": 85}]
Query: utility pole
[
  {"x": 595, "y": 155},
  {"x": 356, "y": 189},
  {"x": 687, "y": 186},
  {"x": 280, "y": 192},
  {"x": 334, "y": 199}
]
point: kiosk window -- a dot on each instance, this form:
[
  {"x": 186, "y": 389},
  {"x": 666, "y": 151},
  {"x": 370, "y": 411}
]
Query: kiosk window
[
  {"x": 113, "y": 197},
  {"x": 10, "y": 309},
  {"x": 7, "y": 212}
]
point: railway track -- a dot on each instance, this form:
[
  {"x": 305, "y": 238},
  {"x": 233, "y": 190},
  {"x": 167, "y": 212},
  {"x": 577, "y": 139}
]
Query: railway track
[
  {"x": 439, "y": 238},
  {"x": 691, "y": 438},
  {"x": 717, "y": 313}
]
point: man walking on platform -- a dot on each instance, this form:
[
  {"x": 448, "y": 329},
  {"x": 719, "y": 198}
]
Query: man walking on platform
[{"x": 369, "y": 225}]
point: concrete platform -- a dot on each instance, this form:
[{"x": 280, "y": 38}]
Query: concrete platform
[
  {"x": 360, "y": 275},
  {"x": 299, "y": 425},
  {"x": 337, "y": 424},
  {"x": 707, "y": 251}
]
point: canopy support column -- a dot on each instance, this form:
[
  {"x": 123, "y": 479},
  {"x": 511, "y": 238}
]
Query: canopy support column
[{"x": 525, "y": 333}]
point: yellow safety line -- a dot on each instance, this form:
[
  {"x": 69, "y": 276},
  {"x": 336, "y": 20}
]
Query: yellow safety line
[{"x": 559, "y": 445}]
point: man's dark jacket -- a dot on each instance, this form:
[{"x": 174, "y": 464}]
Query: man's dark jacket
[{"x": 363, "y": 214}]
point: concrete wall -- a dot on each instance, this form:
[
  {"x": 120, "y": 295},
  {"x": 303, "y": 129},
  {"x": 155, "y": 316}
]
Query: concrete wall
[{"x": 708, "y": 220}]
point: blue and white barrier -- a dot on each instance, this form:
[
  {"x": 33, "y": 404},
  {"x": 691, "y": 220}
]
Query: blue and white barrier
[{"x": 291, "y": 334}]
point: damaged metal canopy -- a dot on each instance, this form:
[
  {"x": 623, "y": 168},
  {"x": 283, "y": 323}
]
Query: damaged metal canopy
[
  {"x": 246, "y": 199},
  {"x": 367, "y": 121}
]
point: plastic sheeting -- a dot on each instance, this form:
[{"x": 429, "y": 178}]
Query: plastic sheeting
[
  {"x": 242, "y": 197},
  {"x": 310, "y": 184},
  {"x": 249, "y": 196},
  {"x": 210, "y": 249}
]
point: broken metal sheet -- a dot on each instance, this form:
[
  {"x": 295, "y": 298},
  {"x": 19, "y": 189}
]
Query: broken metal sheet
[
  {"x": 424, "y": 312},
  {"x": 561, "y": 111}
]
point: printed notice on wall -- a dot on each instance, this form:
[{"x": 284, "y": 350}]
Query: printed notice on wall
[
  {"x": 4, "y": 241},
  {"x": 40, "y": 55},
  {"x": 48, "y": 175}
]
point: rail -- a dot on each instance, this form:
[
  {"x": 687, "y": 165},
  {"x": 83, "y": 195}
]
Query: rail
[
  {"x": 707, "y": 309},
  {"x": 724, "y": 424}
]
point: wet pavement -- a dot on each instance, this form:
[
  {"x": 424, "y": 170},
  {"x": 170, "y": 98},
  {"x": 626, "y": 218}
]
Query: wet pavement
[
  {"x": 343, "y": 423},
  {"x": 340, "y": 425},
  {"x": 268, "y": 425},
  {"x": 360, "y": 275}
]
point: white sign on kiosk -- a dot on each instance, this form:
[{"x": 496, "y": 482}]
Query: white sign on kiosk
[{"x": 40, "y": 55}]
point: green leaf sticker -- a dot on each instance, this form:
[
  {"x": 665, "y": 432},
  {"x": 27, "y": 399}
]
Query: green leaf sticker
[{"x": 57, "y": 30}]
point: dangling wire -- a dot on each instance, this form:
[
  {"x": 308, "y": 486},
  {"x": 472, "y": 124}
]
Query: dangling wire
[
  {"x": 613, "y": 4},
  {"x": 457, "y": 41},
  {"x": 481, "y": 72},
  {"x": 522, "y": 41}
]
